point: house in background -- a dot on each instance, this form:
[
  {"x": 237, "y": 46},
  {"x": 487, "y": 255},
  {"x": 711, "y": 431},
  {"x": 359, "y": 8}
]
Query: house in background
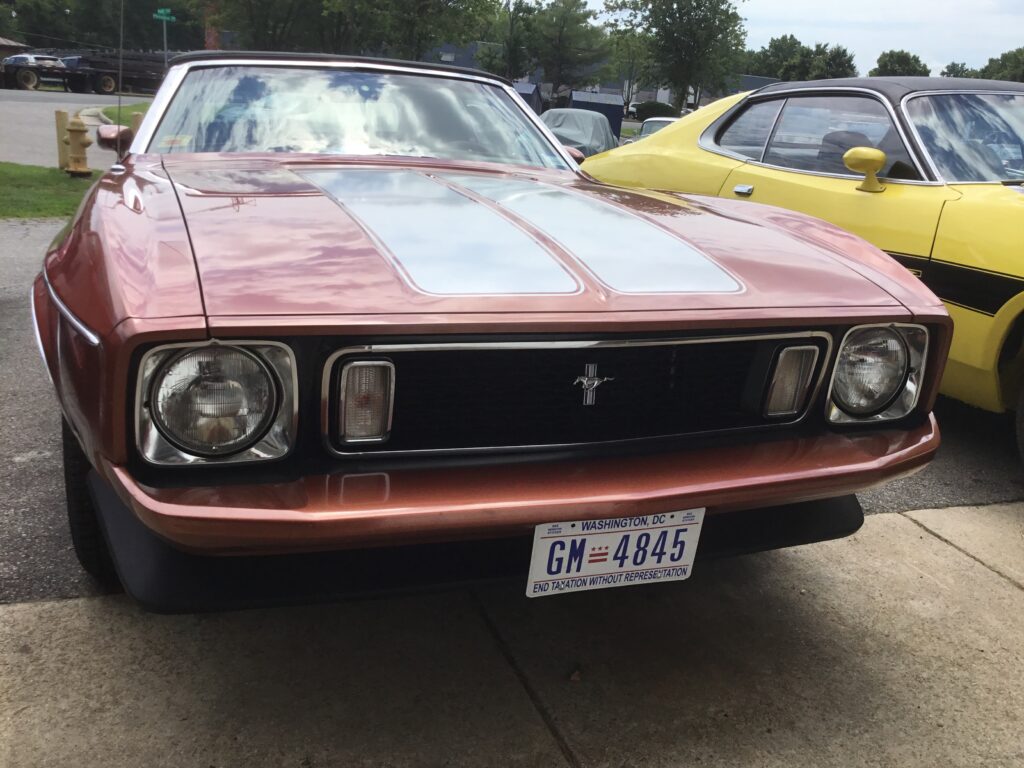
[{"x": 10, "y": 47}]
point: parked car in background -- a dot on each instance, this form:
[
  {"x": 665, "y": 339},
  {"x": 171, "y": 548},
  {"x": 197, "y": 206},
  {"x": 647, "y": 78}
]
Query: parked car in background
[
  {"x": 631, "y": 109},
  {"x": 584, "y": 130},
  {"x": 403, "y": 315},
  {"x": 650, "y": 127},
  {"x": 28, "y": 70},
  {"x": 35, "y": 59},
  {"x": 949, "y": 154}
]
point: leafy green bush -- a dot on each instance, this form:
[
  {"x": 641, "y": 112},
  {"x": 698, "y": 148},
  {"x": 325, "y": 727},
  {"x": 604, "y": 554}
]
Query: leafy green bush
[{"x": 648, "y": 109}]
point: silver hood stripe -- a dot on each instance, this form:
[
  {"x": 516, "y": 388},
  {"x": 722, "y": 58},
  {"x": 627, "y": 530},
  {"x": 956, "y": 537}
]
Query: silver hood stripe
[
  {"x": 621, "y": 249},
  {"x": 443, "y": 241}
]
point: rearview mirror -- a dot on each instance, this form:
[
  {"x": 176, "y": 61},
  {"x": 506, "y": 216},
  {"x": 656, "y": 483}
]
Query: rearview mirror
[
  {"x": 870, "y": 162},
  {"x": 115, "y": 137},
  {"x": 575, "y": 154}
]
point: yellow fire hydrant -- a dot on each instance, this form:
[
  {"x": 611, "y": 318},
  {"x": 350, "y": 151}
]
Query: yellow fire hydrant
[{"x": 77, "y": 140}]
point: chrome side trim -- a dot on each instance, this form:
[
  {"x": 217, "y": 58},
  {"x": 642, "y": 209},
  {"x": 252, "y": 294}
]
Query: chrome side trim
[
  {"x": 843, "y": 418},
  {"x": 707, "y": 139},
  {"x": 77, "y": 324},
  {"x": 39, "y": 338},
  {"x": 278, "y": 441},
  {"x": 917, "y": 136},
  {"x": 370, "y": 349},
  {"x": 177, "y": 73}
]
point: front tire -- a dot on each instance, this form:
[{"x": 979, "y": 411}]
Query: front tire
[
  {"x": 86, "y": 535},
  {"x": 27, "y": 79}
]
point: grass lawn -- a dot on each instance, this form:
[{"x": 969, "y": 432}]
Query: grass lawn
[
  {"x": 29, "y": 192},
  {"x": 627, "y": 133},
  {"x": 127, "y": 110}
]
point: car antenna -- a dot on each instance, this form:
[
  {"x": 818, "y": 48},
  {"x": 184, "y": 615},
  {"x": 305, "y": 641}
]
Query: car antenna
[{"x": 120, "y": 69}]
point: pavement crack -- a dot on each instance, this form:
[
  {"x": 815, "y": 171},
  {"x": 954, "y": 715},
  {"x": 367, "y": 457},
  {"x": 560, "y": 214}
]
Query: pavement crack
[
  {"x": 963, "y": 551},
  {"x": 549, "y": 721}
]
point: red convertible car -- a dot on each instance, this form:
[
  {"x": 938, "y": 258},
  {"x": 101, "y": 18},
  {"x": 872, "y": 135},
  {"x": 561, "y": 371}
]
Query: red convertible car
[{"x": 329, "y": 304}]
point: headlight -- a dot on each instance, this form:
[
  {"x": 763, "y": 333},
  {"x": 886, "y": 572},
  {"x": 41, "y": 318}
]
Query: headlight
[
  {"x": 878, "y": 373},
  {"x": 216, "y": 403},
  {"x": 213, "y": 401}
]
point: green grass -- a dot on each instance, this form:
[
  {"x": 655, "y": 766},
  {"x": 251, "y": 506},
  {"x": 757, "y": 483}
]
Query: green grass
[
  {"x": 124, "y": 117},
  {"x": 30, "y": 192},
  {"x": 627, "y": 133}
]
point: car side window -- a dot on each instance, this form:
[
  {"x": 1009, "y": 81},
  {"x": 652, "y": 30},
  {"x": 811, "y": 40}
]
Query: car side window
[
  {"x": 814, "y": 132},
  {"x": 748, "y": 134}
]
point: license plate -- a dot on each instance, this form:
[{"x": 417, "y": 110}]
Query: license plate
[{"x": 597, "y": 554}]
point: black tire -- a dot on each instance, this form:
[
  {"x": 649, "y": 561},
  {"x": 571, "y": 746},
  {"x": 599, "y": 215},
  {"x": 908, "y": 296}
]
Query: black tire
[
  {"x": 86, "y": 535},
  {"x": 1019, "y": 423},
  {"x": 104, "y": 84},
  {"x": 27, "y": 79}
]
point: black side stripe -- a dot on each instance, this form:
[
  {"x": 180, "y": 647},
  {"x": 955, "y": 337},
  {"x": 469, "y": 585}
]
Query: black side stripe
[{"x": 976, "y": 289}]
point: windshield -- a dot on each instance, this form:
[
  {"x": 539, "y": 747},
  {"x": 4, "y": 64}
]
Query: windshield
[
  {"x": 972, "y": 136},
  {"x": 347, "y": 112}
]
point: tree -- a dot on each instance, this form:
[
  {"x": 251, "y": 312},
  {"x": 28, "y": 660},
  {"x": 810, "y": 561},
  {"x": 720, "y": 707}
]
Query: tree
[
  {"x": 958, "y": 69},
  {"x": 694, "y": 43},
  {"x": 567, "y": 43},
  {"x": 899, "y": 63},
  {"x": 631, "y": 60},
  {"x": 831, "y": 61},
  {"x": 770, "y": 60},
  {"x": 788, "y": 59},
  {"x": 416, "y": 26},
  {"x": 512, "y": 52},
  {"x": 1008, "y": 66}
]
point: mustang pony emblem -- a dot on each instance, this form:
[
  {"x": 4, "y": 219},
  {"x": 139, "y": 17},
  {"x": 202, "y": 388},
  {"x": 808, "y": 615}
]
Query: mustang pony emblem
[{"x": 590, "y": 381}]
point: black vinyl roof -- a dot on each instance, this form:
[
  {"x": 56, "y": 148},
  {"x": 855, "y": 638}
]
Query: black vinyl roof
[
  {"x": 895, "y": 88},
  {"x": 327, "y": 58}
]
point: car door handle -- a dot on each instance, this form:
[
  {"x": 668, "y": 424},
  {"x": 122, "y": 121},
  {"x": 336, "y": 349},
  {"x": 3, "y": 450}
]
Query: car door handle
[{"x": 743, "y": 190}]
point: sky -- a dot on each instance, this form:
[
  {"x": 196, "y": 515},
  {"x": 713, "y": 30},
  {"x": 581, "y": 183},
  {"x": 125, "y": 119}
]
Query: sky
[{"x": 939, "y": 31}]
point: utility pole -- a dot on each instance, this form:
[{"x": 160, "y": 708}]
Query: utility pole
[{"x": 164, "y": 15}]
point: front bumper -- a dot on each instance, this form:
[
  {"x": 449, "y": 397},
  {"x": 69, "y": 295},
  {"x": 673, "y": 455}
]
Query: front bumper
[{"x": 451, "y": 503}]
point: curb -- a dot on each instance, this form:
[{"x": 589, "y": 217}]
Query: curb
[{"x": 95, "y": 112}]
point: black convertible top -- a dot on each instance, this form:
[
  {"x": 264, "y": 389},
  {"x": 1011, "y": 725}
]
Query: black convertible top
[
  {"x": 895, "y": 88},
  {"x": 328, "y": 57}
]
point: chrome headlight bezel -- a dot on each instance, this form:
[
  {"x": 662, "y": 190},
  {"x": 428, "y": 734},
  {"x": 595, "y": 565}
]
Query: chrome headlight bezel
[
  {"x": 915, "y": 340},
  {"x": 277, "y": 439}
]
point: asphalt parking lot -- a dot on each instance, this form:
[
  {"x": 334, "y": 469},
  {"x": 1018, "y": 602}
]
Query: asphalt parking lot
[
  {"x": 23, "y": 112},
  {"x": 899, "y": 646}
]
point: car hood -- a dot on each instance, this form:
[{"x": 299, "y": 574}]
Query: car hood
[{"x": 333, "y": 239}]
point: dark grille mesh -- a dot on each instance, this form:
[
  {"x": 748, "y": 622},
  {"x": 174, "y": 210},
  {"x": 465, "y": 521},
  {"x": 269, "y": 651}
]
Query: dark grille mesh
[{"x": 512, "y": 397}]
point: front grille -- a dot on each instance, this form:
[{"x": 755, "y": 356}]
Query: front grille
[{"x": 478, "y": 397}]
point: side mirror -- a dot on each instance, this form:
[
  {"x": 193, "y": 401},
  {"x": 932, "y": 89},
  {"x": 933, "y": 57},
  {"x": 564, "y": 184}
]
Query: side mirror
[
  {"x": 575, "y": 154},
  {"x": 115, "y": 137},
  {"x": 870, "y": 162}
]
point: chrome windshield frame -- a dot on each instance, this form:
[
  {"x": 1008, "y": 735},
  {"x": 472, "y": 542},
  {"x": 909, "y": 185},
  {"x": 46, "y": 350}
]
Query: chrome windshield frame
[{"x": 177, "y": 73}]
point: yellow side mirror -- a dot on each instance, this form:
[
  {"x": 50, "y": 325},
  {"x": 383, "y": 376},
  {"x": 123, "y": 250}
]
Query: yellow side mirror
[{"x": 870, "y": 162}]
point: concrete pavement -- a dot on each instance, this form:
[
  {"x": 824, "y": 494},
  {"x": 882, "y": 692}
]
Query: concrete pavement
[{"x": 890, "y": 648}]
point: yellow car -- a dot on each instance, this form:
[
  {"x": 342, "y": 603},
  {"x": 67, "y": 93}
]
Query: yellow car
[{"x": 930, "y": 170}]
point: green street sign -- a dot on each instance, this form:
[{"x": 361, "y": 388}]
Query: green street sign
[{"x": 161, "y": 16}]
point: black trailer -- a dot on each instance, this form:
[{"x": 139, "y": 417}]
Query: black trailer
[{"x": 88, "y": 72}]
